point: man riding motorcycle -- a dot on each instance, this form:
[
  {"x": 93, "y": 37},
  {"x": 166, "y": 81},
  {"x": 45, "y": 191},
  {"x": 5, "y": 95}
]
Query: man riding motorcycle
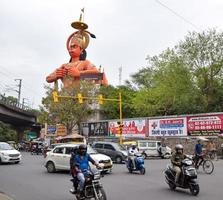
[
  {"x": 81, "y": 160},
  {"x": 132, "y": 151},
  {"x": 176, "y": 160}
]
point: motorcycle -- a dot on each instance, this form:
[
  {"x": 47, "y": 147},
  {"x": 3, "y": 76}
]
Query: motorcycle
[
  {"x": 187, "y": 178},
  {"x": 139, "y": 164},
  {"x": 92, "y": 188}
]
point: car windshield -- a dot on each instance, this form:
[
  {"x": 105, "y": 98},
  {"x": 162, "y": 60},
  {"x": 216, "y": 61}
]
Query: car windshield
[
  {"x": 5, "y": 146},
  {"x": 119, "y": 147},
  {"x": 90, "y": 150},
  {"x": 52, "y": 146}
]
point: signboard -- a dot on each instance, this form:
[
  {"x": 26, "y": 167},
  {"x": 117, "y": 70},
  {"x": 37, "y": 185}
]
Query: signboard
[
  {"x": 31, "y": 135},
  {"x": 95, "y": 129},
  {"x": 61, "y": 130},
  {"x": 131, "y": 128},
  {"x": 168, "y": 127},
  {"x": 205, "y": 125},
  {"x": 51, "y": 130}
]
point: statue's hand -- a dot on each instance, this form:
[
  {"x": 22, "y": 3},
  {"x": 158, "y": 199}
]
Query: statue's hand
[
  {"x": 60, "y": 73},
  {"x": 73, "y": 71}
]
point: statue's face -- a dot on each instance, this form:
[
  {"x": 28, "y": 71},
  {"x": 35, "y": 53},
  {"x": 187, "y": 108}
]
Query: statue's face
[{"x": 74, "y": 50}]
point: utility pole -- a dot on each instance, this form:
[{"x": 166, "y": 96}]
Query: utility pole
[
  {"x": 20, "y": 86},
  {"x": 24, "y": 102}
]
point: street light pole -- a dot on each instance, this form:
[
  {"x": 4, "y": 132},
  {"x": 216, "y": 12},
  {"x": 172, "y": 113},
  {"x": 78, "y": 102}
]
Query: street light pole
[{"x": 20, "y": 86}]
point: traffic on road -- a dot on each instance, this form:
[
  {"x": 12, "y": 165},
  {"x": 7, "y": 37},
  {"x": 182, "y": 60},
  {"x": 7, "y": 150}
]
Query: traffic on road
[{"x": 105, "y": 178}]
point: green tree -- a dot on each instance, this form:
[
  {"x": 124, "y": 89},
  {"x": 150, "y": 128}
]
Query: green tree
[
  {"x": 67, "y": 111},
  {"x": 11, "y": 99},
  {"x": 170, "y": 89},
  {"x": 110, "y": 109},
  {"x": 7, "y": 133},
  {"x": 203, "y": 53},
  {"x": 185, "y": 79}
]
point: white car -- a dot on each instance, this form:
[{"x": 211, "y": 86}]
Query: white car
[
  {"x": 59, "y": 158},
  {"x": 8, "y": 154},
  {"x": 151, "y": 148}
]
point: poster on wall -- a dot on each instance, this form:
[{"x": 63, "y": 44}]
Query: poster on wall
[
  {"x": 205, "y": 125},
  {"x": 168, "y": 127},
  {"x": 131, "y": 128},
  {"x": 95, "y": 129}
]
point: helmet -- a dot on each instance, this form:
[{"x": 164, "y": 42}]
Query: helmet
[
  {"x": 179, "y": 148},
  {"x": 83, "y": 149},
  {"x": 133, "y": 146}
]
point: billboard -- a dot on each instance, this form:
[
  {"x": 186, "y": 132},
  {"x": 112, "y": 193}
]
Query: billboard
[
  {"x": 205, "y": 125},
  {"x": 131, "y": 128},
  {"x": 95, "y": 129},
  {"x": 61, "y": 130},
  {"x": 168, "y": 127},
  {"x": 51, "y": 130}
]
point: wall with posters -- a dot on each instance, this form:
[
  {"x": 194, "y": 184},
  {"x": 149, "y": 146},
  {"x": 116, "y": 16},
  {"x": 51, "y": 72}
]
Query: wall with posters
[
  {"x": 131, "y": 128},
  {"x": 208, "y": 124},
  {"x": 205, "y": 125},
  {"x": 168, "y": 127}
]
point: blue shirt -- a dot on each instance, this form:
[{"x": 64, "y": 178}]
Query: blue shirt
[
  {"x": 198, "y": 149},
  {"x": 83, "y": 164}
]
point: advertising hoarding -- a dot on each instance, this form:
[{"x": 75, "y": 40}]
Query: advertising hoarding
[
  {"x": 205, "y": 125},
  {"x": 168, "y": 127},
  {"x": 131, "y": 128},
  {"x": 61, "y": 130},
  {"x": 95, "y": 129}
]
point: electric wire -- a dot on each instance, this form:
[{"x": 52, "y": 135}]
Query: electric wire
[{"x": 177, "y": 14}]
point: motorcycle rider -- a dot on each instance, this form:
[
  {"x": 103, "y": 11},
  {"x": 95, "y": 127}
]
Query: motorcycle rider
[
  {"x": 81, "y": 162},
  {"x": 176, "y": 160},
  {"x": 132, "y": 151}
]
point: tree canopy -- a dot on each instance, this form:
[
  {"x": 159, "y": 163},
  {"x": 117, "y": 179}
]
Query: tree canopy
[
  {"x": 67, "y": 111},
  {"x": 7, "y": 133}
]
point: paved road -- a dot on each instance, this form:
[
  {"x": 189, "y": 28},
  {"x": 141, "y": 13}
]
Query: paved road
[{"x": 30, "y": 181}]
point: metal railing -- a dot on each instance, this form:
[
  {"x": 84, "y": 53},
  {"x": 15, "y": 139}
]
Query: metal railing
[{"x": 14, "y": 105}]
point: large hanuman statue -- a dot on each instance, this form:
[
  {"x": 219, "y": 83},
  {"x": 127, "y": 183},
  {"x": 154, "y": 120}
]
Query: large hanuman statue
[{"x": 78, "y": 67}]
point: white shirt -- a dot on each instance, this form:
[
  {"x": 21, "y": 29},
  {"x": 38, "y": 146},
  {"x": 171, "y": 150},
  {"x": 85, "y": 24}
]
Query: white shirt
[{"x": 132, "y": 151}]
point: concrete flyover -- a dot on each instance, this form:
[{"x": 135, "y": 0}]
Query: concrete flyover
[
  {"x": 16, "y": 116},
  {"x": 19, "y": 116}
]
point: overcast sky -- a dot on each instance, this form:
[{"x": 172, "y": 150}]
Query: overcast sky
[{"x": 33, "y": 35}]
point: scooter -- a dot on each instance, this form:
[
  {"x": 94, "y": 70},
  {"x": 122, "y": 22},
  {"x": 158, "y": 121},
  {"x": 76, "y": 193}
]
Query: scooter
[
  {"x": 187, "y": 179},
  {"x": 139, "y": 164}
]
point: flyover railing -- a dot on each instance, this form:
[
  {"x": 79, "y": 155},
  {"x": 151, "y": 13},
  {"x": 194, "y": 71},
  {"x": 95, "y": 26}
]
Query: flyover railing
[{"x": 15, "y": 105}]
